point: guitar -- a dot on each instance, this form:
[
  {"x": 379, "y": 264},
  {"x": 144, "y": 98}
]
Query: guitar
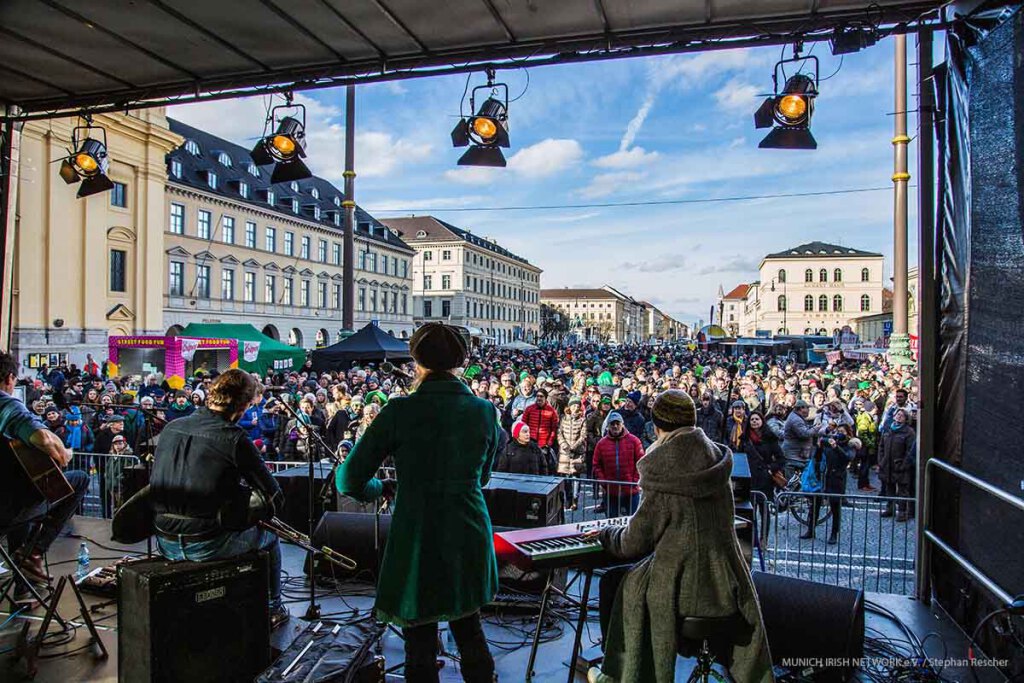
[{"x": 41, "y": 471}]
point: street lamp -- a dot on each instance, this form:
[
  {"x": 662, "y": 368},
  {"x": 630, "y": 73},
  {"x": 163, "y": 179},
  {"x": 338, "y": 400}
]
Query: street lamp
[{"x": 785, "y": 308}]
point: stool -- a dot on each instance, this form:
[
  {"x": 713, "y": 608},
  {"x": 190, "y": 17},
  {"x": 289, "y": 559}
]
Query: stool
[
  {"x": 710, "y": 640},
  {"x": 17, "y": 577}
]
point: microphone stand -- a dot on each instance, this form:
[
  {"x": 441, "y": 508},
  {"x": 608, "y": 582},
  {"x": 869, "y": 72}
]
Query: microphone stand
[{"x": 313, "y": 611}]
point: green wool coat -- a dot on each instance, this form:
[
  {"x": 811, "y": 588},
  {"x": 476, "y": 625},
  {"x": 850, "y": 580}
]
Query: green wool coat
[
  {"x": 693, "y": 566},
  {"x": 439, "y": 562}
]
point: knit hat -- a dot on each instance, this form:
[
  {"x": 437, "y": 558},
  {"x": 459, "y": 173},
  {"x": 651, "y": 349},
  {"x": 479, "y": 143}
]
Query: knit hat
[
  {"x": 574, "y": 400},
  {"x": 673, "y": 409},
  {"x": 438, "y": 347},
  {"x": 801, "y": 404},
  {"x": 634, "y": 396},
  {"x": 517, "y": 428},
  {"x": 347, "y": 445},
  {"x": 606, "y": 399}
]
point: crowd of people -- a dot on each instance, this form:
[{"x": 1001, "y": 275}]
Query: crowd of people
[{"x": 582, "y": 412}]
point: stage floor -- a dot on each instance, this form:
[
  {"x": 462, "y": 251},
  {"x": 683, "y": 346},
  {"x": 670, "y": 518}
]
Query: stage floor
[{"x": 510, "y": 630}]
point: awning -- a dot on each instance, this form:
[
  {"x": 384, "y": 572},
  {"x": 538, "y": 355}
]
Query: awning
[{"x": 63, "y": 54}]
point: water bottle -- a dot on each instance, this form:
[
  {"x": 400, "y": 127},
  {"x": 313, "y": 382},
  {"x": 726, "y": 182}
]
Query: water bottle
[
  {"x": 449, "y": 642},
  {"x": 83, "y": 561}
]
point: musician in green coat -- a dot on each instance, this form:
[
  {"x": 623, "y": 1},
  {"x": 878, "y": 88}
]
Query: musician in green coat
[{"x": 439, "y": 562}]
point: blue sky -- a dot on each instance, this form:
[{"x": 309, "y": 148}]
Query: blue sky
[{"x": 634, "y": 130}]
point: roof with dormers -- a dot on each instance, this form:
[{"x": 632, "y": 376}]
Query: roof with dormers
[
  {"x": 820, "y": 250},
  {"x": 312, "y": 193},
  {"x": 413, "y": 229}
]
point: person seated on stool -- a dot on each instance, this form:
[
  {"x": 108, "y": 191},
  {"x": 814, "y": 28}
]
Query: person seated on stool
[
  {"x": 692, "y": 562},
  {"x": 198, "y": 468},
  {"x": 439, "y": 562},
  {"x": 22, "y": 514}
]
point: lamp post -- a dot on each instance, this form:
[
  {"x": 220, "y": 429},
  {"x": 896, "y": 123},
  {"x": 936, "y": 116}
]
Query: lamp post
[
  {"x": 785, "y": 308},
  {"x": 899, "y": 342}
]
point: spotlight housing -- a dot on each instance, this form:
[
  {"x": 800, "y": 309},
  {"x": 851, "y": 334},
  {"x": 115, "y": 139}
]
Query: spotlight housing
[
  {"x": 788, "y": 112},
  {"x": 87, "y": 161},
  {"x": 486, "y": 131},
  {"x": 849, "y": 39},
  {"x": 286, "y": 146}
]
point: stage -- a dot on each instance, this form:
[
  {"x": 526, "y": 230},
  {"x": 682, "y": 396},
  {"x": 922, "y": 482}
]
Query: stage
[{"x": 509, "y": 631}]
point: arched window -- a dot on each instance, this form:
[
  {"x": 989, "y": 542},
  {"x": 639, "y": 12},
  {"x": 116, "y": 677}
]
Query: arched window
[
  {"x": 808, "y": 303},
  {"x": 865, "y": 302},
  {"x": 295, "y": 337},
  {"x": 782, "y": 330},
  {"x": 865, "y": 275},
  {"x": 271, "y": 331},
  {"x": 837, "y": 275},
  {"x": 782, "y": 275},
  {"x": 782, "y": 302},
  {"x": 808, "y": 330},
  {"x": 837, "y": 302},
  {"x": 822, "y": 275},
  {"x": 192, "y": 147},
  {"x": 224, "y": 159},
  {"x": 823, "y": 332},
  {"x": 808, "y": 275},
  {"x": 822, "y": 303}
]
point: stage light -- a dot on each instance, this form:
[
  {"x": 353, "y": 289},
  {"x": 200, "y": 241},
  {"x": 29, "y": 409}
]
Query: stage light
[
  {"x": 788, "y": 113},
  {"x": 486, "y": 131},
  {"x": 87, "y": 161},
  {"x": 847, "y": 40},
  {"x": 285, "y": 147}
]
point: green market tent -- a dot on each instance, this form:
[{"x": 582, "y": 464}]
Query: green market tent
[{"x": 273, "y": 355}]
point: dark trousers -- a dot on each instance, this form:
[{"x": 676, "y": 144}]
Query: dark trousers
[
  {"x": 607, "y": 589},
  {"x": 42, "y": 519},
  {"x": 622, "y": 504},
  {"x": 868, "y": 457},
  {"x": 834, "y": 504},
  {"x": 421, "y": 651}
]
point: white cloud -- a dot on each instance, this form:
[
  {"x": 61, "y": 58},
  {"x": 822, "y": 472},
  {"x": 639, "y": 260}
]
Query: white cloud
[
  {"x": 626, "y": 158},
  {"x": 546, "y": 158},
  {"x": 737, "y": 96},
  {"x": 605, "y": 184},
  {"x": 473, "y": 175},
  {"x": 688, "y": 71},
  {"x": 637, "y": 122}
]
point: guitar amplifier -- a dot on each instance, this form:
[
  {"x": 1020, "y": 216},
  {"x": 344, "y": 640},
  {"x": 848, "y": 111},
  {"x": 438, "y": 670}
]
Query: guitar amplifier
[
  {"x": 294, "y": 483},
  {"x": 193, "y": 621},
  {"x": 524, "y": 500}
]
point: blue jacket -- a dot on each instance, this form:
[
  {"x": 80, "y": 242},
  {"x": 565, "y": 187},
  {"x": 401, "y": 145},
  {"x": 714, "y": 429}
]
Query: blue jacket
[{"x": 250, "y": 421}]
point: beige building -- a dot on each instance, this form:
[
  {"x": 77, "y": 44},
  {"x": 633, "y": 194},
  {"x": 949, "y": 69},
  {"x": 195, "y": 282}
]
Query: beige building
[
  {"x": 238, "y": 249},
  {"x": 470, "y": 281},
  {"x": 87, "y": 268},
  {"x": 732, "y": 310},
  {"x": 601, "y": 315},
  {"x": 660, "y": 325},
  {"x": 814, "y": 288}
]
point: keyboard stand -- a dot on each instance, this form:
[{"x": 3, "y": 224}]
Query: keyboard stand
[{"x": 581, "y": 622}]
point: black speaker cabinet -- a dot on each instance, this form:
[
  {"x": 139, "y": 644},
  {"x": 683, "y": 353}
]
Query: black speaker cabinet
[
  {"x": 294, "y": 484},
  {"x": 193, "y": 621},
  {"x": 807, "y": 620},
  {"x": 352, "y": 535},
  {"x": 524, "y": 500}
]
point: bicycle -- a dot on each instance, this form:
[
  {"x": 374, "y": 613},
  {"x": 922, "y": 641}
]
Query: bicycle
[{"x": 798, "y": 506}]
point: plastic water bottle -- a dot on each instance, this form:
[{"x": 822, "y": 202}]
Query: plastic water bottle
[
  {"x": 83, "y": 561},
  {"x": 449, "y": 642}
]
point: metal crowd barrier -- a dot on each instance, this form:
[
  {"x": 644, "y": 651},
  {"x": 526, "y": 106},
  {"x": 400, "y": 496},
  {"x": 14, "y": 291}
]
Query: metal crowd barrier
[
  {"x": 872, "y": 552},
  {"x": 112, "y": 478}
]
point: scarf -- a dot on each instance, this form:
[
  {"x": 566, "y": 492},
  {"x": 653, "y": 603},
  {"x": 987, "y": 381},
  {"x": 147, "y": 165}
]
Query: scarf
[{"x": 755, "y": 436}]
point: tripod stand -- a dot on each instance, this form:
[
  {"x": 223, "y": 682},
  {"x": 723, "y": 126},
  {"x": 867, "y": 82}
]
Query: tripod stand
[{"x": 313, "y": 442}]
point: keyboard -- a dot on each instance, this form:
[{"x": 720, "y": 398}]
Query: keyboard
[{"x": 554, "y": 546}]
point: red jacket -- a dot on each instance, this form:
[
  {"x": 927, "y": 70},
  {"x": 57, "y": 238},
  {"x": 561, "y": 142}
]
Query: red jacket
[
  {"x": 616, "y": 459},
  {"x": 543, "y": 423}
]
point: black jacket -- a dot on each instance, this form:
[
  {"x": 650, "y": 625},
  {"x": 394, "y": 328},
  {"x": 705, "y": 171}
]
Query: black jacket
[
  {"x": 764, "y": 458},
  {"x": 896, "y": 456},
  {"x": 198, "y": 468},
  {"x": 710, "y": 421},
  {"x": 519, "y": 459}
]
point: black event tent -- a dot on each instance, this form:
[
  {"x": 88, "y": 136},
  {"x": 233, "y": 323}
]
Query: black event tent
[{"x": 368, "y": 344}]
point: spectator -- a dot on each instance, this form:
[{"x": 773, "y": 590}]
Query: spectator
[{"x": 615, "y": 459}]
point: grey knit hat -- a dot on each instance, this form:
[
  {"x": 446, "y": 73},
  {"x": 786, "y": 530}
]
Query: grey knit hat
[{"x": 674, "y": 409}]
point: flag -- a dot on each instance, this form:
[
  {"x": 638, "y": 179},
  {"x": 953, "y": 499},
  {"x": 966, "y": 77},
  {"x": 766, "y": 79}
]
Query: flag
[
  {"x": 188, "y": 347},
  {"x": 250, "y": 350}
]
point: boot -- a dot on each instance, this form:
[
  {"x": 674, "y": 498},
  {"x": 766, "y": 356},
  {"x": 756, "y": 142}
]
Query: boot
[
  {"x": 807, "y": 534},
  {"x": 901, "y": 517},
  {"x": 833, "y": 538},
  {"x": 594, "y": 675},
  {"x": 887, "y": 512}
]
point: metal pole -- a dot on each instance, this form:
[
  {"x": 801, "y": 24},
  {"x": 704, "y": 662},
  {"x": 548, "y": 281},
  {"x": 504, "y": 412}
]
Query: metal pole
[
  {"x": 899, "y": 343},
  {"x": 927, "y": 302},
  {"x": 349, "y": 272},
  {"x": 7, "y": 190}
]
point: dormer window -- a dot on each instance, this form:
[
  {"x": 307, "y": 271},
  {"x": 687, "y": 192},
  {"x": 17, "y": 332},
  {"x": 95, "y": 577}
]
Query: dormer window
[
  {"x": 421, "y": 234},
  {"x": 211, "y": 179},
  {"x": 337, "y": 201},
  {"x": 192, "y": 147},
  {"x": 270, "y": 197},
  {"x": 295, "y": 205},
  {"x": 243, "y": 190},
  {"x": 224, "y": 159},
  {"x": 316, "y": 212},
  {"x": 337, "y": 218},
  {"x": 315, "y": 192},
  {"x": 295, "y": 186},
  {"x": 254, "y": 170},
  {"x": 175, "y": 168}
]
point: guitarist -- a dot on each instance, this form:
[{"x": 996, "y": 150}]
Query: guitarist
[{"x": 22, "y": 514}]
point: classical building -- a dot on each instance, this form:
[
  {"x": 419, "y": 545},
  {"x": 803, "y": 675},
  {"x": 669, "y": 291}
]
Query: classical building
[
  {"x": 732, "y": 309},
  {"x": 87, "y": 268},
  {"x": 470, "y": 281},
  {"x": 660, "y": 325},
  {"x": 814, "y": 288},
  {"x": 239, "y": 249},
  {"x": 602, "y": 315}
]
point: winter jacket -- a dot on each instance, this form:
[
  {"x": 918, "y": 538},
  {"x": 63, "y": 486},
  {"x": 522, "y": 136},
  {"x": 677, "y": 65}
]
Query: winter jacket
[
  {"x": 692, "y": 564},
  {"x": 174, "y": 412},
  {"x": 897, "y": 456},
  {"x": 543, "y": 424},
  {"x": 649, "y": 436},
  {"x": 764, "y": 458},
  {"x": 710, "y": 420},
  {"x": 615, "y": 459},
  {"x": 733, "y": 437},
  {"x": 595, "y": 430},
  {"x": 867, "y": 430},
  {"x": 798, "y": 437},
  {"x": 777, "y": 426},
  {"x": 572, "y": 444},
  {"x": 634, "y": 421},
  {"x": 831, "y": 463},
  {"x": 519, "y": 459},
  {"x": 250, "y": 421}
]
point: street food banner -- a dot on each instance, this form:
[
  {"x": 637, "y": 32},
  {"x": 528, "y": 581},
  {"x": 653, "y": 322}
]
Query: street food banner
[
  {"x": 188, "y": 347},
  {"x": 251, "y": 351},
  {"x": 175, "y": 349}
]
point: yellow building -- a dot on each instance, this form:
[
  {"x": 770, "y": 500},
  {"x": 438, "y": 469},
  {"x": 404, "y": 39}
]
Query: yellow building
[{"x": 86, "y": 268}]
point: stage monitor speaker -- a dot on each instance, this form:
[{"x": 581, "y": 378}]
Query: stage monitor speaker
[
  {"x": 351, "y": 534},
  {"x": 812, "y": 621},
  {"x": 294, "y": 483},
  {"x": 524, "y": 500},
  {"x": 193, "y": 621}
]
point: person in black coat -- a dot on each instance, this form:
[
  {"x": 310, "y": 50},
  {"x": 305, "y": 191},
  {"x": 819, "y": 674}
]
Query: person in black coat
[
  {"x": 831, "y": 458},
  {"x": 764, "y": 455},
  {"x": 521, "y": 455},
  {"x": 709, "y": 417},
  {"x": 897, "y": 463}
]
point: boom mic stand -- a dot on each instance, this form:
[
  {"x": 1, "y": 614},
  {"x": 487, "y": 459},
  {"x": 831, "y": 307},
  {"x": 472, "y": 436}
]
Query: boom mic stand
[{"x": 312, "y": 439}]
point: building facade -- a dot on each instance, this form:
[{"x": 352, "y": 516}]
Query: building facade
[
  {"x": 239, "y": 249},
  {"x": 732, "y": 310},
  {"x": 603, "y": 315},
  {"x": 660, "y": 325},
  {"x": 470, "y": 281},
  {"x": 86, "y": 268}
]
